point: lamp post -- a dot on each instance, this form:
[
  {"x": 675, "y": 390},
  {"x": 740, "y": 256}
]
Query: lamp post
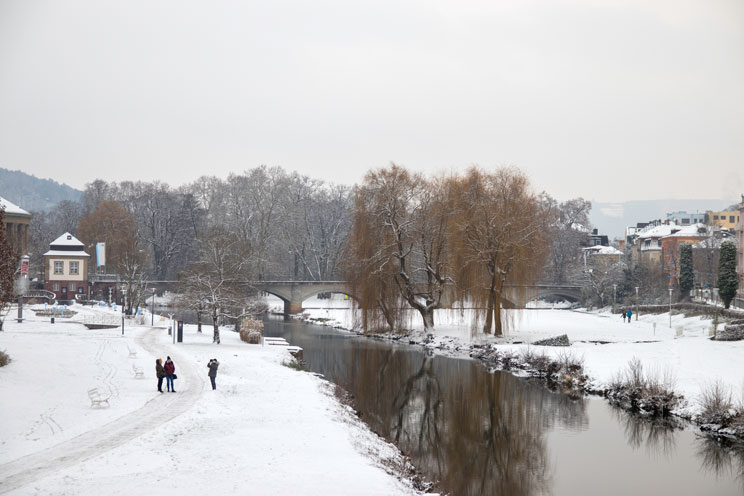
[
  {"x": 614, "y": 290},
  {"x": 152, "y": 310},
  {"x": 636, "y": 288},
  {"x": 670, "y": 307}
]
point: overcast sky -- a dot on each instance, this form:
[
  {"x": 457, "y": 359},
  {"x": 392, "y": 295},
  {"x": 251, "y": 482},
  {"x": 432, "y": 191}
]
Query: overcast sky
[{"x": 610, "y": 100}]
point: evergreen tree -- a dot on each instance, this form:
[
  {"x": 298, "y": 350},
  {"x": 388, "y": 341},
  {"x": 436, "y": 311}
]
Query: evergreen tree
[
  {"x": 8, "y": 263},
  {"x": 686, "y": 274},
  {"x": 727, "y": 278}
]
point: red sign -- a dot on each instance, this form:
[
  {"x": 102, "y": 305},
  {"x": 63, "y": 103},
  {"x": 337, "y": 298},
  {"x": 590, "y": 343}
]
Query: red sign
[{"x": 24, "y": 267}]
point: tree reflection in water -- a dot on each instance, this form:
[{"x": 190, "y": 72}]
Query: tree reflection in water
[
  {"x": 473, "y": 432},
  {"x": 656, "y": 435},
  {"x": 723, "y": 459}
]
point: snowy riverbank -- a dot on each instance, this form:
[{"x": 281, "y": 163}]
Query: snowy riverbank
[
  {"x": 604, "y": 341},
  {"x": 267, "y": 429}
]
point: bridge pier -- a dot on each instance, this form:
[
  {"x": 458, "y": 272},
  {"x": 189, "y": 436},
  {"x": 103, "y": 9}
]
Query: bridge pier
[{"x": 292, "y": 307}]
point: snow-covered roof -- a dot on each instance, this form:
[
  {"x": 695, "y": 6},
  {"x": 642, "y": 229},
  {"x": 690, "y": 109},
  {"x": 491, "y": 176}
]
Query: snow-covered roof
[
  {"x": 603, "y": 250},
  {"x": 697, "y": 230},
  {"x": 67, "y": 239},
  {"x": 61, "y": 253},
  {"x": 658, "y": 231},
  {"x": 12, "y": 208}
]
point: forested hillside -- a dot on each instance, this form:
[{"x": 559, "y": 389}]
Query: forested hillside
[{"x": 32, "y": 193}]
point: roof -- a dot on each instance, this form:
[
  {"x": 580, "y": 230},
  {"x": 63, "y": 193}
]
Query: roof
[
  {"x": 61, "y": 253},
  {"x": 658, "y": 231},
  {"x": 12, "y": 208},
  {"x": 603, "y": 250},
  {"x": 67, "y": 239},
  {"x": 693, "y": 230}
]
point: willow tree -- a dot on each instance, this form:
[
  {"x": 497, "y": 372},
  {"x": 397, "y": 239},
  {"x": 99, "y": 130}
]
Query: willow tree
[
  {"x": 501, "y": 240},
  {"x": 398, "y": 244}
]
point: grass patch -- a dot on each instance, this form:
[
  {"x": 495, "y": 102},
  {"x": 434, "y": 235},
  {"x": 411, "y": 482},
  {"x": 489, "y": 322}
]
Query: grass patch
[
  {"x": 645, "y": 391},
  {"x": 294, "y": 365}
]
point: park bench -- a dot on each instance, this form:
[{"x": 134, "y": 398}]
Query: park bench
[
  {"x": 96, "y": 399},
  {"x": 132, "y": 352},
  {"x": 275, "y": 342},
  {"x": 138, "y": 372}
]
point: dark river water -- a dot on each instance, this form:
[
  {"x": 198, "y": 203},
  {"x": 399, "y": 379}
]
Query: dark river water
[{"x": 477, "y": 433}]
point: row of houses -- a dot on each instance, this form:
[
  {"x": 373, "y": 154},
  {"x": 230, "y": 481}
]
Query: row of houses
[{"x": 657, "y": 243}]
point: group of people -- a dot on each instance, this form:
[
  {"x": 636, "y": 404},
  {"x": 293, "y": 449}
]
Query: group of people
[
  {"x": 627, "y": 314},
  {"x": 167, "y": 371}
]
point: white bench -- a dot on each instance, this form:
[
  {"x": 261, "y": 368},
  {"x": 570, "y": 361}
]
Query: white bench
[
  {"x": 132, "y": 353},
  {"x": 96, "y": 399},
  {"x": 275, "y": 342},
  {"x": 138, "y": 372}
]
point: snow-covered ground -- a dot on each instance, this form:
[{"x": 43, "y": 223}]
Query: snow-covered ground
[
  {"x": 604, "y": 340},
  {"x": 267, "y": 429}
]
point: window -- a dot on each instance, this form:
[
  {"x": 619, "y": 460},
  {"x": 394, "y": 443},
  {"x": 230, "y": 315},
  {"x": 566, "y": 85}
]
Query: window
[
  {"x": 72, "y": 287},
  {"x": 55, "y": 287},
  {"x": 59, "y": 267},
  {"x": 685, "y": 221},
  {"x": 74, "y": 267},
  {"x": 647, "y": 243},
  {"x": 731, "y": 218},
  {"x": 715, "y": 217},
  {"x": 658, "y": 243}
]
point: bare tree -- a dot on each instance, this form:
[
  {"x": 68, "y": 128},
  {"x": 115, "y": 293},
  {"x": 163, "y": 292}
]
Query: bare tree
[
  {"x": 399, "y": 240},
  {"x": 501, "y": 239}
]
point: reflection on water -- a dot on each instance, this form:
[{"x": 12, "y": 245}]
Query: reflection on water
[{"x": 477, "y": 433}]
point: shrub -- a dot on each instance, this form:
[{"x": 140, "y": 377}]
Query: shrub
[
  {"x": 251, "y": 330},
  {"x": 4, "y": 359},
  {"x": 716, "y": 402}
]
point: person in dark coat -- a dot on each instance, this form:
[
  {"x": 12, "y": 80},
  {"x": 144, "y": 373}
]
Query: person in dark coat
[
  {"x": 212, "y": 365},
  {"x": 160, "y": 373},
  {"x": 170, "y": 371},
  {"x": 624, "y": 315}
]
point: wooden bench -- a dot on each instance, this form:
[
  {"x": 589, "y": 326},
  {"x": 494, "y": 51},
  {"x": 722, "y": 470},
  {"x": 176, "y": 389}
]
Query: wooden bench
[
  {"x": 138, "y": 372},
  {"x": 132, "y": 353},
  {"x": 96, "y": 399}
]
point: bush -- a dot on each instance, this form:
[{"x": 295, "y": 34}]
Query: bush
[
  {"x": 251, "y": 330},
  {"x": 645, "y": 391},
  {"x": 4, "y": 359},
  {"x": 716, "y": 403}
]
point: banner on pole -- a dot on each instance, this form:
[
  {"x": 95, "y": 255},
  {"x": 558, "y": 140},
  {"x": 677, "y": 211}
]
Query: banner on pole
[{"x": 100, "y": 254}]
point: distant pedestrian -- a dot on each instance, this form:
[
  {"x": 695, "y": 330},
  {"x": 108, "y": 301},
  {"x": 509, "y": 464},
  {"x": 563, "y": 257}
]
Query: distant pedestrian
[
  {"x": 170, "y": 374},
  {"x": 630, "y": 313},
  {"x": 624, "y": 315},
  {"x": 160, "y": 373},
  {"x": 212, "y": 365}
]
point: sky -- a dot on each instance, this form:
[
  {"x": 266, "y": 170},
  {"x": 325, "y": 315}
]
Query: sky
[{"x": 610, "y": 100}]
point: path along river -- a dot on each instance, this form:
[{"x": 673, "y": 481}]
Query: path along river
[{"x": 479, "y": 433}]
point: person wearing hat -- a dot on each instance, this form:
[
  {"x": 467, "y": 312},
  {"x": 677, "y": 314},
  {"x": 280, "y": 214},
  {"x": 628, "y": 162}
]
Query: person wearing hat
[
  {"x": 170, "y": 374},
  {"x": 212, "y": 365}
]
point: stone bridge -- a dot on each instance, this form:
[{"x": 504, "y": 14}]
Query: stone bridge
[{"x": 293, "y": 293}]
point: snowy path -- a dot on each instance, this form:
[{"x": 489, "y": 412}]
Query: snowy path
[{"x": 156, "y": 412}]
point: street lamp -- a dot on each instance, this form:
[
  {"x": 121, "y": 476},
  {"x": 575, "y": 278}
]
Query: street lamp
[
  {"x": 152, "y": 310},
  {"x": 614, "y": 290},
  {"x": 670, "y": 307},
  {"x": 636, "y": 288}
]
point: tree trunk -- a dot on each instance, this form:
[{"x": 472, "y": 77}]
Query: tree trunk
[
  {"x": 498, "y": 331},
  {"x": 216, "y": 325},
  {"x": 428, "y": 315},
  {"x": 489, "y": 317},
  {"x": 198, "y": 322}
]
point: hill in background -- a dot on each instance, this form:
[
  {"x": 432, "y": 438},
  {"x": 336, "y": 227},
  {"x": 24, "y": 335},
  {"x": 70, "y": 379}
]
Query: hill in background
[
  {"x": 32, "y": 193},
  {"x": 613, "y": 218}
]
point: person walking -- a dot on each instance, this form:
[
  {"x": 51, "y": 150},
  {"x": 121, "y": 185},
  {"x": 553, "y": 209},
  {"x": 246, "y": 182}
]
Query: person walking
[
  {"x": 624, "y": 315},
  {"x": 170, "y": 374},
  {"x": 630, "y": 313},
  {"x": 212, "y": 365},
  {"x": 160, "y": 373}
]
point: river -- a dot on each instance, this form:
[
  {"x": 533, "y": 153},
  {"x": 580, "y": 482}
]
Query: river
[{"x": 476, "y": 433}]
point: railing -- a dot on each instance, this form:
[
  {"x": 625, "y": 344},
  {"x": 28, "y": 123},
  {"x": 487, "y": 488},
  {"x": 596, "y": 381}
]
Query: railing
[{"x": 40, "y": 293}]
